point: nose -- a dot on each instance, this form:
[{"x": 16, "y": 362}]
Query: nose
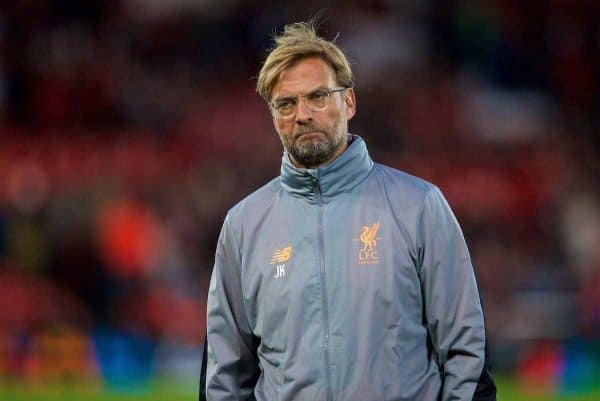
[{"x": 303, "y": 113}]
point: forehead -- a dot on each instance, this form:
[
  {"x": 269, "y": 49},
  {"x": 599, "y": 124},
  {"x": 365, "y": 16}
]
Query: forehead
[{"x": 305, "y": 75}]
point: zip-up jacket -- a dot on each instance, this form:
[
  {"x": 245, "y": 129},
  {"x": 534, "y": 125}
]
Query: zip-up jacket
[{"x": 349, "y": 282}]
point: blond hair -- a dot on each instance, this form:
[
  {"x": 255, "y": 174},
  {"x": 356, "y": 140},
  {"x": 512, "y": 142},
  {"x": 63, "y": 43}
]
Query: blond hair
[{"x": 299, "y": 41}]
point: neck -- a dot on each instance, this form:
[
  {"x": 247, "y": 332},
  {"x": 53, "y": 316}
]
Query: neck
[{"x": 339, "y": 175}]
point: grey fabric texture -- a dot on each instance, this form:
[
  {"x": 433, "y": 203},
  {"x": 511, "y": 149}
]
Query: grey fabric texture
[{"x": 348, "y": 282}]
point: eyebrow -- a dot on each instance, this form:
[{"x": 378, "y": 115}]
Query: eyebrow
[{"x": 289, "y": 97}]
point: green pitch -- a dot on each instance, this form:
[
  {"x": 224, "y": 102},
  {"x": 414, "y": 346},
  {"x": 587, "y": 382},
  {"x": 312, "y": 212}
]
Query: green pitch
[
  {"x": 162, "y": 390},
  {"x": 509, "y": 391},
  {"x": 159, "y": 390}
]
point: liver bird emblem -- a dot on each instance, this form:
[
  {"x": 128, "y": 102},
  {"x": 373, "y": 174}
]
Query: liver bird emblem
[{"x": 368, "y": 235}]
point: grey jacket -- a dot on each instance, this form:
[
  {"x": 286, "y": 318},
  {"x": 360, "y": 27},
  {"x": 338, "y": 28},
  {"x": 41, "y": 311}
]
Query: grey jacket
[{"x": 351, "y": 282}]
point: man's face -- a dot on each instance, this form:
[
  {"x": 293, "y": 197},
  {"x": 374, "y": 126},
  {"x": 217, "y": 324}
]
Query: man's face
[{"x": 313, "y": 138}]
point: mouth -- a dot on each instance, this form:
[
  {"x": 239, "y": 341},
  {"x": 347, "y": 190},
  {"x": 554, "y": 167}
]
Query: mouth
[{"x": 308, "y": 135}]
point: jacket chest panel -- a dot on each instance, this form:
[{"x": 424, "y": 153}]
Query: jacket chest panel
[
  {"x": 369, "y": 260},
  {"x": 280, "y": 274}
]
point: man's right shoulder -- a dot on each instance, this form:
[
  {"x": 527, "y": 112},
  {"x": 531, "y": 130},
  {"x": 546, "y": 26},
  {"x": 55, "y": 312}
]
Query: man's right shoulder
[{"x": 257, "y": 202}]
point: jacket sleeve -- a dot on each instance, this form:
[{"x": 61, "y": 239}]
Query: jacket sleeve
[
  {"x": 452, "y": 304},
  {"x": 232, "y": 368}
]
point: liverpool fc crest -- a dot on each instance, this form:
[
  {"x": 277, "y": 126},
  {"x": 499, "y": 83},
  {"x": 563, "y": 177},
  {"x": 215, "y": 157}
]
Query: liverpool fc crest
[{"x": 368, "y": 236}]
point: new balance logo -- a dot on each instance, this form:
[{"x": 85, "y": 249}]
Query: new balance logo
[{"x": 279, "y": 257}]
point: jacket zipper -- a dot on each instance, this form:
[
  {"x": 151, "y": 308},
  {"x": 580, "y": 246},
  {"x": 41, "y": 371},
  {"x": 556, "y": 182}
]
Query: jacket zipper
[{"x": 326, "y": 357}]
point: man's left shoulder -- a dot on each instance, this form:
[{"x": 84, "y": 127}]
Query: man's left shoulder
[{"x": 402, "y": 183}]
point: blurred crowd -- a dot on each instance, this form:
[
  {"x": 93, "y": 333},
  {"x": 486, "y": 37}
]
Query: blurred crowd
[{"x": 129, "y": 127}]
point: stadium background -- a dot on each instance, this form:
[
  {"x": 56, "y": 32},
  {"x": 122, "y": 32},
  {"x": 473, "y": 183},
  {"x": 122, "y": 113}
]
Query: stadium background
[{"x": 129, "y": 127}]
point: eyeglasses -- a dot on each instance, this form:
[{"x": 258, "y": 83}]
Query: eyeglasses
[{"x": 318, "y": 100}]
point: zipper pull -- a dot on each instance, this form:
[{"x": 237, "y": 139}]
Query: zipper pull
[{"x": 316, "y": 184}]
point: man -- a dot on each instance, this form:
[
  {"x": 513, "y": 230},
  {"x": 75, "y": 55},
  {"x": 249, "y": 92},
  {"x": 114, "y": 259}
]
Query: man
[{"x": 341, "y": 279}]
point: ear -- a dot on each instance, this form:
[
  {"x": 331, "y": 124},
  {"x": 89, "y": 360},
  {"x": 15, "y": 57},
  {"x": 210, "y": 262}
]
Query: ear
[{"x": 350, "y": 103}]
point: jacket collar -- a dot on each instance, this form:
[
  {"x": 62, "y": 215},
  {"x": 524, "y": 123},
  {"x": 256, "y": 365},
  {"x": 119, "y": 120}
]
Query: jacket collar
[{"x": 341, "y": 175}]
